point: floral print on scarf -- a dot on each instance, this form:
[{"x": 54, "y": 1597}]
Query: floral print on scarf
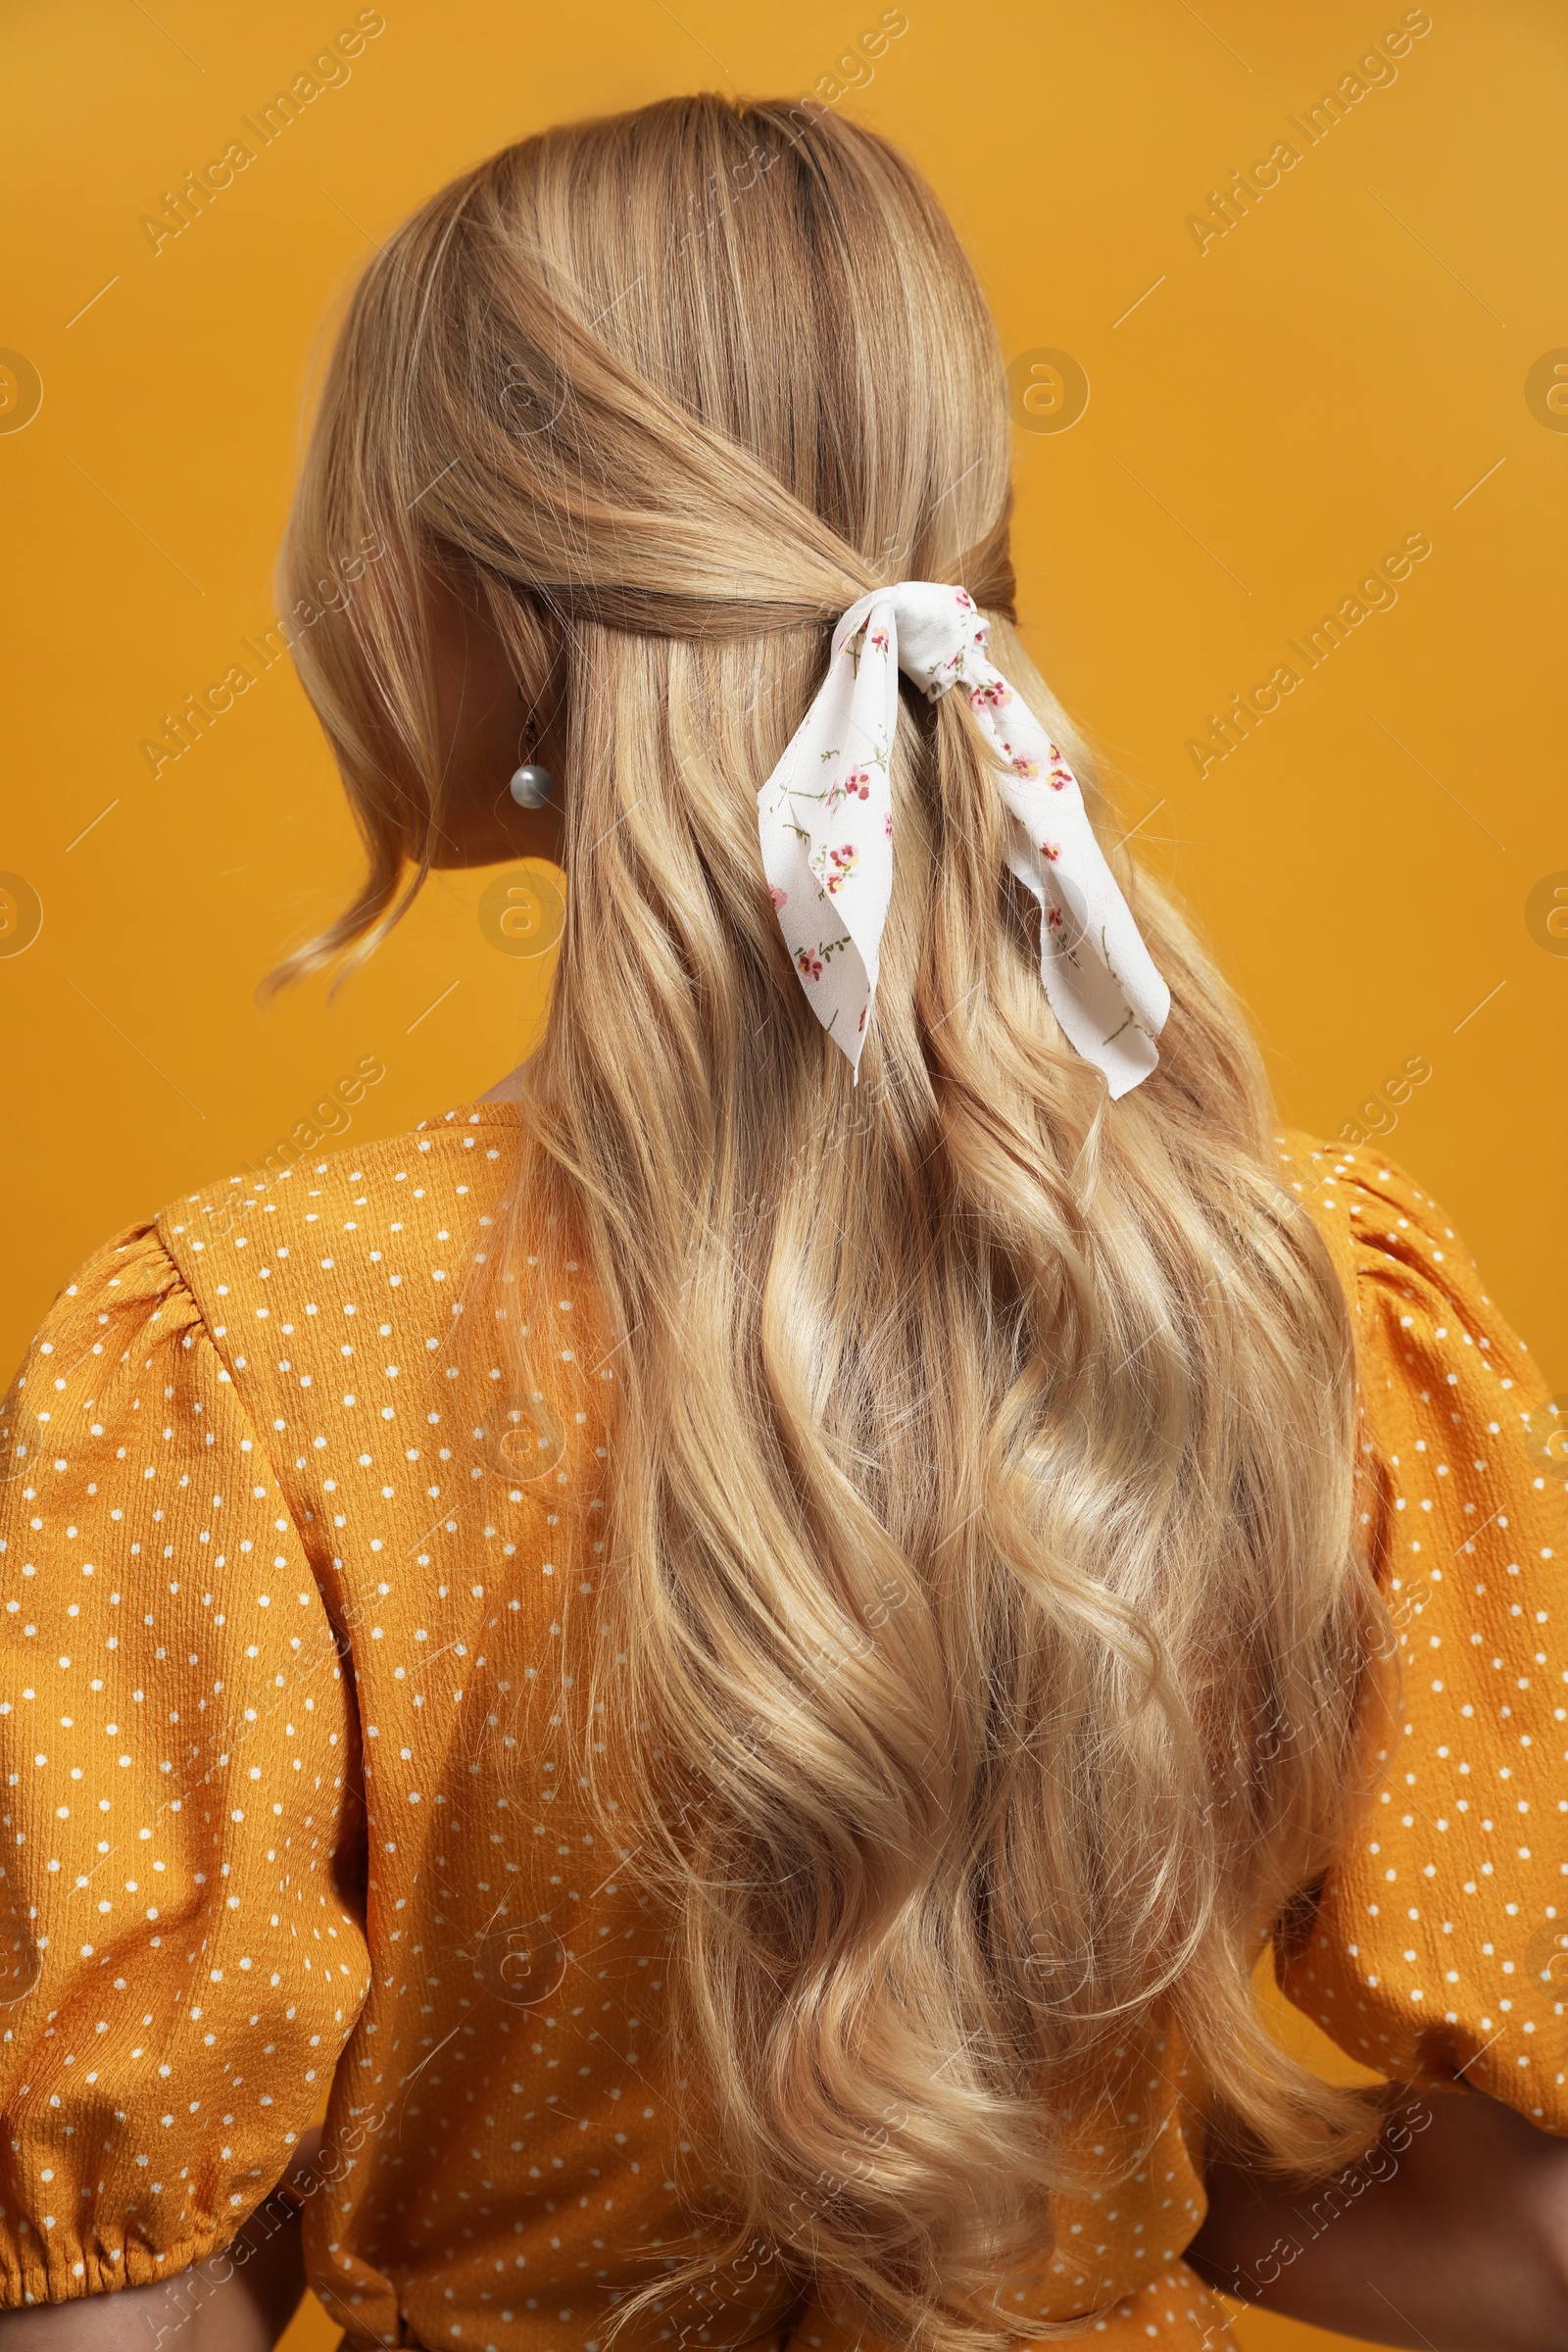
[{"x": 825, "y": 822}]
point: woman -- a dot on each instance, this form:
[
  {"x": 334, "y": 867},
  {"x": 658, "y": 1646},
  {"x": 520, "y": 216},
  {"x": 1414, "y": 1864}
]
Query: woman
[{"x": 739, "y": 1648}]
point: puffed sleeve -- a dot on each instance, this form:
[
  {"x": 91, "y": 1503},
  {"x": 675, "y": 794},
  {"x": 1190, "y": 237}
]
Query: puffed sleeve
[
  {"x": 180, "y": 1929},
  {"x": 1439, "y": 1947}
]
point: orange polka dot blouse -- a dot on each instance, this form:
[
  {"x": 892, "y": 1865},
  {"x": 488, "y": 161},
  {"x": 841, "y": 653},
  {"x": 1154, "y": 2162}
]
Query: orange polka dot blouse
[{"x": 285, "y": 1811}]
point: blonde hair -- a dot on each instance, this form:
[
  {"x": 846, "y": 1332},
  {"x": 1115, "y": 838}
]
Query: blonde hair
[{"x": 982, "y": 1548}]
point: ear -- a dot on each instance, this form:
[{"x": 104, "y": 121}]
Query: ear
[
  {"x": 499, "y": 680},
  {"x": 533, "y": 639}
]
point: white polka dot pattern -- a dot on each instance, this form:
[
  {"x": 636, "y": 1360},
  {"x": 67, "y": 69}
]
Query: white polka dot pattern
[
  {"x": 178, "y": 1742},
  {"x": 1441, "y": 1943},
  {"x": 287, "y": 1804}
]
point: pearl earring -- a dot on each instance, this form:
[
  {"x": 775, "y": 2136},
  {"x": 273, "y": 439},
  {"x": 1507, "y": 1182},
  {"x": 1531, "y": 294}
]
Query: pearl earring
[{"x": 532, "y": 786}]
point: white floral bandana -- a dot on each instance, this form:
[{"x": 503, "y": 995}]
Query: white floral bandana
[{"x": 825, "y": 815}]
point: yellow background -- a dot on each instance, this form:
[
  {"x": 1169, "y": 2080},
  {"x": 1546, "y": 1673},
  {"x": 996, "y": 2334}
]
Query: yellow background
[{"x": 1266, "y": 418}]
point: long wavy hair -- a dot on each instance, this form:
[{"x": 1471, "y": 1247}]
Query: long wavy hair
[{"x": 982, "y": 1554}]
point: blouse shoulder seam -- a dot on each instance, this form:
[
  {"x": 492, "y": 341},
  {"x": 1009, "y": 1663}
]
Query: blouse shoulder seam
[{"x": 229, "y": 1367}]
